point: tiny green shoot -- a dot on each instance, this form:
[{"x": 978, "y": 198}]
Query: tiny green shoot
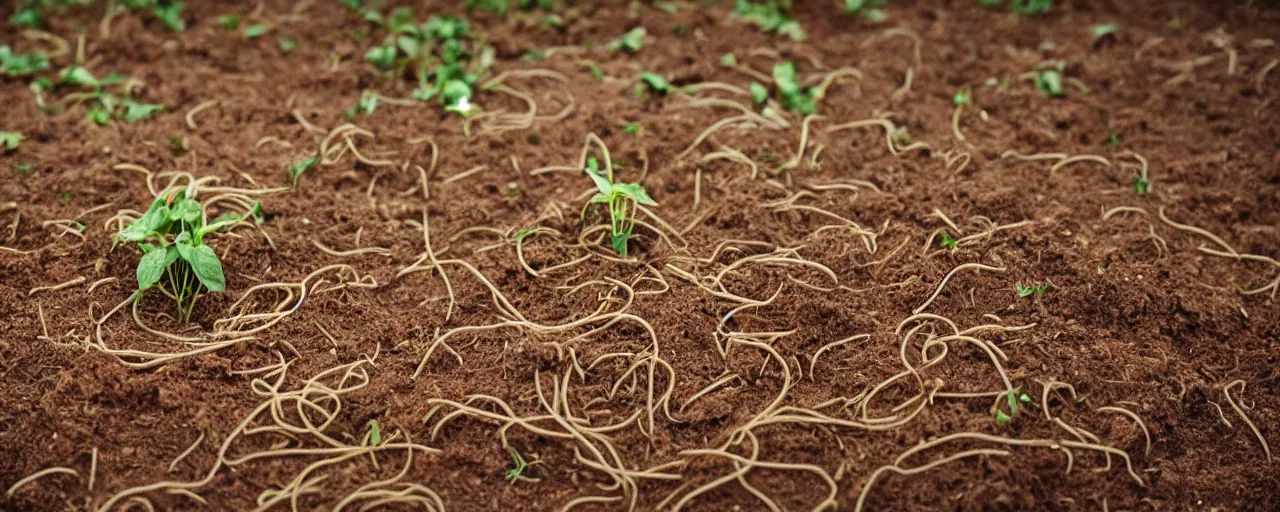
[
  {"x": 759, "y": 93},
  {"x": 19, "y": 64},
  {"x": 25, "y": 169},
  {"x": 771, "y": 16},
  {"x": 595, "y": 70},
  {"x": 366, "y": 105},
  {"x": 1036, "y": 290},
  {"x": 1141, "y": 185},
  {"x": 618, "y": 198},
  {"x": 254, "y": 31},
  {"x": 1114, "y": 138},
  {"x": 868, "y": 9},
  {"x": 632, "y": 128},
  {"x": 1104, "y": 30},
  {"x": 947, "y": 242},
  {"x": 1049, "y": 82},
  {"x": 667, "y": 7},
  {"x": 630, "y": 42},
  {"x": 655, "y": 82},
  {"x": 286, "y": 44},
  {"x": 297, "y": 168},
  {"x": 794, "y": 97},
  {"x": 516, "y": 473},
  {"x": 729, "y": 60},
  {"x": 228, "y": 21},
  {"x": 1013, "y": 401},
  {"x": 1031, "y": 6},
  {"x": 375, "y": 433}
]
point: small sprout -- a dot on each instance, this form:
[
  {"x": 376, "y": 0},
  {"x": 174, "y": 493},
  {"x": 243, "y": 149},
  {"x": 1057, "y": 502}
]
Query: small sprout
[
  {"x": 1104, "y": 30},
  {"x": 793, "y": 96},
  {"x": 229, "y": 21},
  {"x": 667, "y": 7},
  {"x": 771, "y": 16},
  {"x": 1031, "y": 6},
  {"x": 1115, "y": 139},
  {"x": 366, "y": 105},
  {"x": 729, "y": 60},
  {"x": 947, "y": 242},
  {"x": 553, "y": 20},
  {"x": 9, "y": 141},
  {"x": 656, "y": 82},
  {"x": 961, "y": 98},
  {"x": 1037, "y": 290},
  {"x": 759, "y": 93},
  {"x": 630, "y": 42},
  {"x": 66, "y": 195},
  {"x": 178, "y": 145},
  {"x": 1049, "y": 82},
  {"x": 25, "y": 169},
  {"x": 513, "y": 189},
  {"x": 286, "y": 44},
  {"x": 28, "y": 17},
  {"x": 519, "y": 236},
  {"x": 1141, "y": 185},
  {"x": 375, "y": 434},
  {"x": 632, "y": 128},
  {"x": 596, "y": 72},
  {"x": 618, "y": 198},
  {"x": 1013, "y": 401},
  {"x": 297, "y": 168},
  {"x": 869, "y": 9},
  {"x": 254, "y": 31},
  {"x": 170, "y": 15},
  {"x": 520, "y": 465},
  {"x": 462, "y": 107}
]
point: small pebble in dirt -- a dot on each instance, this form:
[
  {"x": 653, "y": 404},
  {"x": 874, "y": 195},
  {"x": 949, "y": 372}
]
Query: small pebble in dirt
[{"x": 306, "y": 221}]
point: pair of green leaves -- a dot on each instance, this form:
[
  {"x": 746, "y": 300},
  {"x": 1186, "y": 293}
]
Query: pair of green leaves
[
  {"x": 1036, "y": 290},
  {"x": 771, "y": 16},
  {"x": 630, "y": 42},
  {"x": 793, "y": 96},
  {"x": 168, "y": 12},
  {"x": 184, "y": 221},
  {"x": 103, "y": 105},
  {"x": 9, "y": 141},
  {"x": 1014, "y": 399}
]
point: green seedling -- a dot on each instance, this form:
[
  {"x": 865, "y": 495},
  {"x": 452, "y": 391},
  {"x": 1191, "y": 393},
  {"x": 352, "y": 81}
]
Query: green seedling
[
  {"x": 9, "y": 141},
  {"x": 19, "y": 64},
  {"x": 1141, "y": 185},
  {"x": 375, "y": 434},
  {"x": 254, "y": 31},
  {"x": 595, "y": 70},
  {"x": 1104, "y": 30},
  {"x": 729, "y": 60},
  {"x": 630, "y": 42},
  {"x": 169, "y": 13},
  {"x": 516, "y": 473},
  {"x": 667, "y": 7},
  {"x": 868, "y": 9},
  {"x": 286, "y": 44},
  {"x": 1036, "y": 290},
  {"x": 1049, "y": 82},
  {"x": 519, "y": 236},
  {"x": 771, "y": 16},
  {"x": 1013, "y": 401},
  {"x": 176, "y": 260},
  {"x": 793, "y": 96},
  {"x": 297, "y": 168},
  {"x": 1114, "y": 139},
  {"x": 228, "y": 21},
  {"x": 496, "y": 6},
  {"x": 622, "y": 201},
  {"x": 366, "y": 105},
  {"x": 961, "y": 98},
  {"x": 655, "y": 82},
  {"x": 25, "y": 169},
  {"x": 439, "y": 54},
  {"x": 1031, "y": 6},
  {"x": 759, "y": 93},
  {"x": 632, "y": 129},
  {"x": 947, "y": 242}
]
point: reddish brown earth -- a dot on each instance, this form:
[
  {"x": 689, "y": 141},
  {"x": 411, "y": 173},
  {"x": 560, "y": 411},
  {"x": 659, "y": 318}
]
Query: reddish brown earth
[{"x": 1139, "y": 316}]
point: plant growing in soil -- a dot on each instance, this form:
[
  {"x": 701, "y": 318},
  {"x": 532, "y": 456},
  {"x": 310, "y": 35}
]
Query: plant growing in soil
[
  {"x": 630, "y": 42},
  {"x": 947, "y": 242},
  {"x": 621, "y": 199},
  {"x": 176, "y": 260},
  {"x": 794, "y": 97},
  {"x": 516, "y": 473},
  {"x": 297, "y": 168},
  {"x": 1049, "y": 82},
  {"x": 34, "y": 13},
  {"x": 868, "y": 9},
  {"x": 9, "y": 141},
  {"x": 168, "y": 12},
  {"x": 772, "y": 16},
  {"x": 655, "y": 82},
  {"x": 1036, "y": 290},
  {"x": 1013, "y": 402},
  {"x": 104, "y": 104},
  {"x": 439, "y": 54}
]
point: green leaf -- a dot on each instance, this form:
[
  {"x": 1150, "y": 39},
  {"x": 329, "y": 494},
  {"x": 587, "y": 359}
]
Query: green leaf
[
  {"x": 1141, "y": 185},
  {"x": 9, "y": 140},
  {"x": 138, "y": 230},
  {"x": 961, "y": 98},
  {"x": 1049, "y": 82},
  {"x": 1103, "y": 30},
  {"x": 186, "y": 210},
  {"x": 382, "y": 56},
  {"x": 297, "y": 168},
  {"x": 1002, "y": 418},
  {"x": 656, "y": 82},
  {"x": 947, "y": 241},
  {"x": 99, "y": 114},
  {"x": 151, "y": 266},
  {"x": 229, "y": 21},
  {"x": 205, "y": 264},
  {"x": 635, "y": 192},
  {"x": 453, "y": 91},
  {"x": 425, "y": 92},
  {"x": 257, "y": 213},
  {"x": 728, "y": 60},
  {"x": 25, "y": 169},
  {"x": 632, "y": 128},
  {"x": 170, "y": 15},
  {"x": 784, "y": 76},
  {"x": 77, "y": 75},
  {"x": 134, "y": 111},
  {"x": 630, "y": 42},
  {"x": 254, "y": 31},
  {"x": 18, "y": 64},
  {"x": 375, "y": 433},
  {"x": 759, "y": 93},
  {"x": 1031, "y": 6},
  {"x": 602, "y": 183},
  {"x": 286, "y": 44},
  {"x": 28, "y": 17}
]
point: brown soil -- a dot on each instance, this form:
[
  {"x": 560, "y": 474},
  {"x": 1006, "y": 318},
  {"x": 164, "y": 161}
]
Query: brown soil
[{"x": 1140, "y": 316}]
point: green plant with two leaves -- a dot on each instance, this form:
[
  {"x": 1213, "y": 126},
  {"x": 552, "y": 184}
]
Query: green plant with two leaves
[
  {"x": 440, "y": 54},
  {"x": 20, "y": 64},
  {"x": 1027, "y": 291},
  {"x": 1013, "y": 401},
  {"x": 175, "y": 258},
  {"x": 516, "y": 473},
  {"x": 621, "y": 199},
  {"x": 773, "y": 16},
  {"x": 109, "y": 97},
  {"x": 36, "y": 13},
  {"x": 168, "y": 12}
]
